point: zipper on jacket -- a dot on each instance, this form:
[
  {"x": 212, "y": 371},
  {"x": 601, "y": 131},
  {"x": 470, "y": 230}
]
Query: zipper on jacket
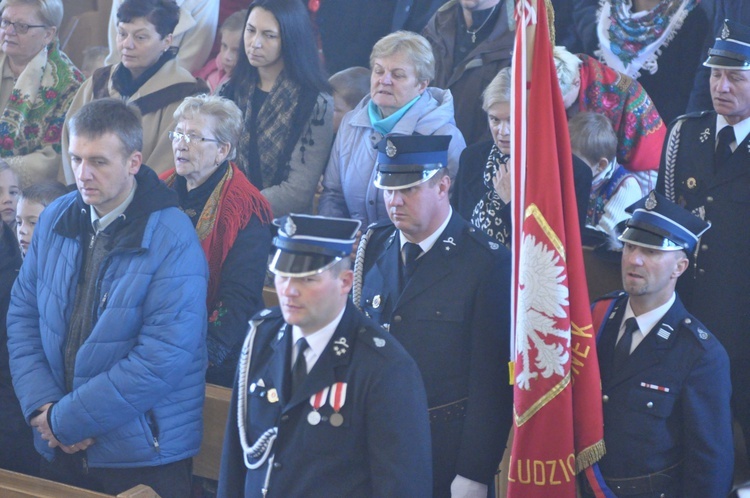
[
  {"x": 98, "y": 288},
  {"x": 85, "y": 464},
  {"x": 151, "y": 421}
]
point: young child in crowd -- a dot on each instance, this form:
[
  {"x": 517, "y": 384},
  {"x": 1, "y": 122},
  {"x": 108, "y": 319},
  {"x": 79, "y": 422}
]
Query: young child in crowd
[
  {"x": 10, "y": 188},
  {"x": 31, "y": 204},
  {"x": 613, "y": 187},
  {"x": 218, "y": 70},
  {"x": 349, "y": 88},
  {"x": 18, "y": 453},
  {"x": 16, "y": 443}
]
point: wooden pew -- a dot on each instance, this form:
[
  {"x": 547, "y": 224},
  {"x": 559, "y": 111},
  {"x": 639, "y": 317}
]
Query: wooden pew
[
  {"x": 215, "y": 411},
  {"x": 15, "y": 485},
  {"x": 270, "y": 298},
  {"x": 205, "y": 464},
  {"x": 602, "y": 276}
]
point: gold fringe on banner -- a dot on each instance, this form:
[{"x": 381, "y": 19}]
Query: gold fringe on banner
[
  {"x": 550, "y": 20},
  {"x": 590, "y": 456}
]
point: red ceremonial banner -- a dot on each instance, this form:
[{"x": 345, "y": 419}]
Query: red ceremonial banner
[{"x": 557, "y": 390}]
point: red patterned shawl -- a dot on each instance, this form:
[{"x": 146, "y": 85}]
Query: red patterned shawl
[
  {"x": 640, "y": 130},
  {"x": 228, "y": 210}
]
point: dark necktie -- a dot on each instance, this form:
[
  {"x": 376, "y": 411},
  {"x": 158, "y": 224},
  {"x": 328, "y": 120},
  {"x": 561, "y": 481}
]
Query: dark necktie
[
  {"x": 299, "y": 370},
  {"x": 622, "y": 350},
  {"x": 411, "y": 253},
  {"x": 723, "y": 150}
]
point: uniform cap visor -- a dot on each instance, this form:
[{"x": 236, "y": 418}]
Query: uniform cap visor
[
  {"x": 723, "y": 62},
  {"x": 643, "y": 238},
  {"x": 289, "y": 264},
  {"x": 398, "y": 180}
]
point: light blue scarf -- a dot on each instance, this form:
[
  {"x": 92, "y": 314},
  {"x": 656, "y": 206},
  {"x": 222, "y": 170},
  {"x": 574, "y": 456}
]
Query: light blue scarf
[{"x": 385, "y": 125}]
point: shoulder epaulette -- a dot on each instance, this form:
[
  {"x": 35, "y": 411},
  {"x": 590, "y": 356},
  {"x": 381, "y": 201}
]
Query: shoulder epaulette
[
  {"x": 483, "y": 239},
  {"x": 689, "y": 115},
  {"x": 699, "y": 331},
  {"x": 380, "y": 224},
  {"x": 267, "y": 313},
  {"x": 374, "y": 337}
]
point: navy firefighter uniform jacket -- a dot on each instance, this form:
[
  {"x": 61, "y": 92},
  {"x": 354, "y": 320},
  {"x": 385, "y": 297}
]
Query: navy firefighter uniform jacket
[
  {"x": 453, "y": 319},
  {"x": 668, "y": 406},
  {"x": 377, "y": 446}
]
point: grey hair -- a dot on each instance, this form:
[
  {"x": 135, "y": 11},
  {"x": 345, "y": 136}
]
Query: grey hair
[
  {"x": 567, "y": 66},
  {"x": 498, "y": 91},
  {"x": 227, "y": 117},
  {"x": 414, "y": 46},
  {"x": 50, "y": 11}
]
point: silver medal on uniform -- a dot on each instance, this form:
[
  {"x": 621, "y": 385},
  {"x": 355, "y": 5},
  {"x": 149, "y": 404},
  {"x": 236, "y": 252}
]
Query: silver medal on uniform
[
  {"x": 316, "y": 401},
  {"x": 313, "y": 418}
]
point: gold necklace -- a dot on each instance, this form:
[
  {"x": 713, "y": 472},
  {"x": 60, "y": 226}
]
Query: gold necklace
[{"x": 474, "y": 33}]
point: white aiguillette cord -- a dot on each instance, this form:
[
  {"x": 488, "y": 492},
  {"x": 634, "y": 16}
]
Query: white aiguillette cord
[{"x": 261, "y": 449}]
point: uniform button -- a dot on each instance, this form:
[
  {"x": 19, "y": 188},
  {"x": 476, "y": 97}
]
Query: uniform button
[
  {"x": 438, "y": 313},
  {"x": 372, "y": 202},
  {"x": 472, "y": 229},
  {"x": 284, "y": 418},
  {"x": 688, "y": 321},
  {"x": 277, "y": 465},
  {"x": 605, "y": 398},
  {"x": 701, "y": 271},
  {"x": 650, "y": 404},
  {"x": 397, "y": 318},
  {"x": 704, "y": 247},
  {"x": 709, "y": 199}
]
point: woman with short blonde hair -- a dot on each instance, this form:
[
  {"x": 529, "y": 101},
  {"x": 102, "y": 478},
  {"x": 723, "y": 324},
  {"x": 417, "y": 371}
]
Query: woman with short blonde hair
[{"x": 400, "y": 102}]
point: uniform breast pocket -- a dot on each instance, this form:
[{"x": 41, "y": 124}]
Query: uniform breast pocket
[
  {"x": 262, "y": 408},
  {"x": 374, "y": 305},
  {"x": 652, "y": 402}
]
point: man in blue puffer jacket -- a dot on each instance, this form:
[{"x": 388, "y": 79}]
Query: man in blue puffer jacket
[{"x": 107, "y": 321}]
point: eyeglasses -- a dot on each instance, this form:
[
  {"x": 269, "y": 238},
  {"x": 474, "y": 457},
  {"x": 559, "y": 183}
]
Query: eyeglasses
[
  {"x": 20, "y": 27},
  {"x": 176, "y": 136}
]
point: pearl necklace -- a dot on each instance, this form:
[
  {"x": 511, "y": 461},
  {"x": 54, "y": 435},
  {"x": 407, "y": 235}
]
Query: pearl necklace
[{"x": 474, "y": 33}]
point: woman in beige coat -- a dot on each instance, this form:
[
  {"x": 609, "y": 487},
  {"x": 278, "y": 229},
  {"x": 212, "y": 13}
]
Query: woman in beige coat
[{"x": 148, "y": 76}]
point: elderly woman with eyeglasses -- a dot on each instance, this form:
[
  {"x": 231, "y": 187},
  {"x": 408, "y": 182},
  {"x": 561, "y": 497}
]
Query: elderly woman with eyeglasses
[
  {"x": 231, "y": 218},
  {"x": 38, "y": 84},
  {"x": 148, "y": 76}
]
